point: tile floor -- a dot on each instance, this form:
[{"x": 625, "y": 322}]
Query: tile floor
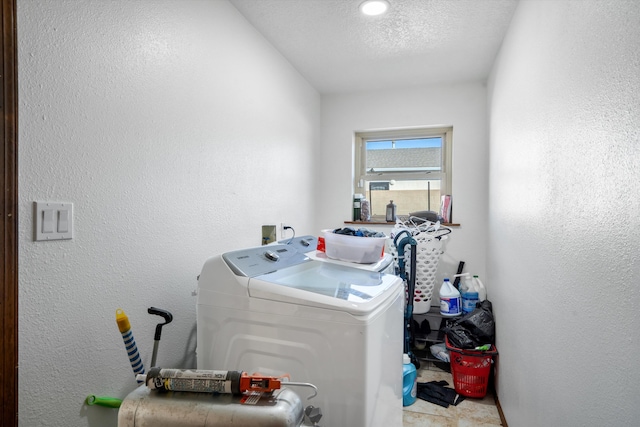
[{"x": 469, "y": 413}]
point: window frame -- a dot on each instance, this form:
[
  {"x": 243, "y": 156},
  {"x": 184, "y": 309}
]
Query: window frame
[{"x": 361, "y": 174}]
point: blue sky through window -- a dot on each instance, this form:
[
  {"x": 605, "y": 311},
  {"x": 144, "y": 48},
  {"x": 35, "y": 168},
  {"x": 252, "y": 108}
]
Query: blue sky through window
[{"x": 405, "y": 143}]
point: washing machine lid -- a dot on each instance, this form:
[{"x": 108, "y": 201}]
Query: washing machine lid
[
  {"x": 326, "y": 285},
  {"x": 380, "y": 265}
]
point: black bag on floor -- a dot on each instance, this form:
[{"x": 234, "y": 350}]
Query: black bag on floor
[
  {"x": 437, "y": 392},
  {"x": 473, "y": 329}
]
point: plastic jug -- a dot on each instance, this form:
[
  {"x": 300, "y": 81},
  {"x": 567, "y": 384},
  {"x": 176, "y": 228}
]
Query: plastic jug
[
  {"x": 409, "y": 381},
  {"x": 469, "y": 293},
  {"x": 449, "y": 300},
  {"x": 482, "y": 291}
]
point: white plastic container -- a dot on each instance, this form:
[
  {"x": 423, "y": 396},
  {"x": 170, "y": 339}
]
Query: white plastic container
[
  {"x": 449, "y": 300},
  {"x": 363, "y": 250},
  {"x": 482, "y": 291}
]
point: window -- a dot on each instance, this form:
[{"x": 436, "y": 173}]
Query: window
[{"x": 412, "y": 167}]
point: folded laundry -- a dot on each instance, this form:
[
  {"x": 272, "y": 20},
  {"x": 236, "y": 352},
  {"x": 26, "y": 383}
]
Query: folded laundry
[{"x": 436, "y": 392}]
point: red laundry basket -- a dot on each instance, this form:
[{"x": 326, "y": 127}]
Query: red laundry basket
[{"x": 470, "y": 369}]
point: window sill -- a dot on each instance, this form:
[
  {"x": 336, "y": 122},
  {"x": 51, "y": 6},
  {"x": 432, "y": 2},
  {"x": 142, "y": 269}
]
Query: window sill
[{"x": 446, "y": 224}]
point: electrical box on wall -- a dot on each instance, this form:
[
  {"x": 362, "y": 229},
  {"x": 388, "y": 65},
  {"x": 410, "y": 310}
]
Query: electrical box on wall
[
  {"x": 268, "y": 234},
  {"x": 53, "y": 221}
]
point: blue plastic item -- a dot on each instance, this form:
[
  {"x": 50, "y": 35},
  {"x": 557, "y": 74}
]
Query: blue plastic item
[
  {"x": 469, "y": 293},
  {"x": 129, "y": 343},
  {"x": 409, "y": 381}
]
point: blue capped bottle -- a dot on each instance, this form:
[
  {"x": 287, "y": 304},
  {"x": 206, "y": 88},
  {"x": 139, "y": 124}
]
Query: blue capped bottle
[{"x": 409, "y": 381}]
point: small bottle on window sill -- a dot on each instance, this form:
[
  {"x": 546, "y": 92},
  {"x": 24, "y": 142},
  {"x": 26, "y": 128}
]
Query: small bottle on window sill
[
  {"x": 365, "y": 210},
  {"x": 391, "y": 212},
  {"x": 357, "y": 206}
]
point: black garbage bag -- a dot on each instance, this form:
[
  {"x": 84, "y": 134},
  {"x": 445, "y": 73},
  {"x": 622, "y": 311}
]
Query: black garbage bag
[{"x": 473, "y": 329}]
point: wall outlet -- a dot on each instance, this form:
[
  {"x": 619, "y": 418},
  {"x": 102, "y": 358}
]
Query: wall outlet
[
  {"x": 286, "y": 231},
  {"x": 268, "y": 234}
]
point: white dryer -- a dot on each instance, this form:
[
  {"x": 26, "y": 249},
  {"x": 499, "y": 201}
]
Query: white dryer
[{"x": 273, "y": 310}]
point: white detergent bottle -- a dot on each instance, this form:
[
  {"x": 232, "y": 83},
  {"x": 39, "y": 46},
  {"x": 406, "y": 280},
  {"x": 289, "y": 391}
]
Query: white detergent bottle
[
  {"x": 449, "y": 300},
  {"x": 469, "y": 293},
  {"x": 482, "y": 291}
]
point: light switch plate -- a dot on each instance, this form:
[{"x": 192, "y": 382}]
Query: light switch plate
[{"x": 53, "y": 221}]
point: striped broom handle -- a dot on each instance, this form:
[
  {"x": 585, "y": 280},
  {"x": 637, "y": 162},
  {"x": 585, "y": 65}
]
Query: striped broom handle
[{"x": 129, "y": 343}]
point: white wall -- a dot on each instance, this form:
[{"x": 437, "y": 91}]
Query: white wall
[
  {"x": 177, "y": 131},
  {"x": 563, "y": 213},
  {"x": 462, "y": 106}
]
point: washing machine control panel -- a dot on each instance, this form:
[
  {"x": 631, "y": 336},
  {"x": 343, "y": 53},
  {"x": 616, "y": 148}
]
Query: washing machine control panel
[
  {"x": 253, "y": 262},
  {"x": 302, "y": 244},
  {"x": 272, "y": 256}
]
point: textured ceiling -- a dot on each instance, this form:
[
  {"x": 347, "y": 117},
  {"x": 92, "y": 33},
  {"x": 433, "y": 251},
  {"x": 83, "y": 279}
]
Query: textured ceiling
[{"x": 417, "y": 42}]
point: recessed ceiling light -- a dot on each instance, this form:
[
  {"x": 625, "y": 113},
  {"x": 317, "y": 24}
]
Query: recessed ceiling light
[{"x": 374, "y": 7}]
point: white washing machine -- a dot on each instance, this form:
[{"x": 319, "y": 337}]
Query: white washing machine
[
  {"x": 308, "y": 245},
  {"x": 274, "y": 311}
]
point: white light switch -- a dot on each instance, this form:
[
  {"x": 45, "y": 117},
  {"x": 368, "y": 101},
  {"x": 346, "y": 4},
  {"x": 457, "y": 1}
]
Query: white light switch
[
  {"x": 63, "y": 221},
  {"x": 54, "y": 221},
  {"x": 47, "y": 221}
]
